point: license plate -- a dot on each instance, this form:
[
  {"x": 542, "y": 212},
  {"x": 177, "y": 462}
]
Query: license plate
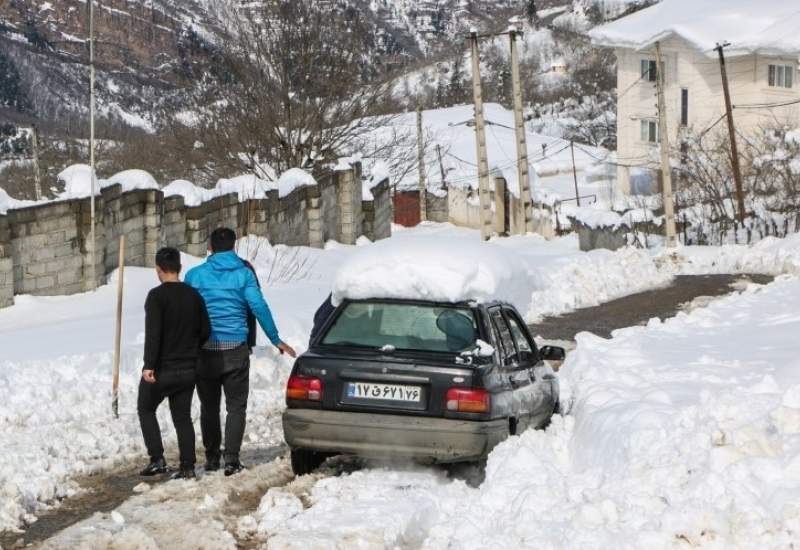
[{"x": 387, "y": 392}]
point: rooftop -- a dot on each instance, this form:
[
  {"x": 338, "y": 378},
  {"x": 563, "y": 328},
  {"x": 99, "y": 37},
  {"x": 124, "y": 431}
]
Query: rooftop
[{"x": 770, "y": 27}]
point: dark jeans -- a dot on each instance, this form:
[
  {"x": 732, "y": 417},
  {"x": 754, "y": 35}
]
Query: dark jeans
[
  {"x": 227, "y": 371},
  {"x": 178, "y": 386}
]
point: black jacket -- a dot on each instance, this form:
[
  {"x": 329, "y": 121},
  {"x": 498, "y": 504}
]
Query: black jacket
[{"x": 176, "y": 326}]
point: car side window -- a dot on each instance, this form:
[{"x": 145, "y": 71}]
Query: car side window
[
  {"x": 520, "y": 335},
  {"x": 509, "y": 351}
]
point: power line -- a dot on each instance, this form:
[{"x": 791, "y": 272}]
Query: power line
[{"x": 766, "y": 105}]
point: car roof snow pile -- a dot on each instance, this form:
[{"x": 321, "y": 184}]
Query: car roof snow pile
[{"x": 434, "y": 269}]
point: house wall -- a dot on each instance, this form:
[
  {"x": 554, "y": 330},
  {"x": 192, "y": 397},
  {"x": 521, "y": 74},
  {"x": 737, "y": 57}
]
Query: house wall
[
  {"x": 46, "y": 249},
  {"x": 686, "y": 67}
]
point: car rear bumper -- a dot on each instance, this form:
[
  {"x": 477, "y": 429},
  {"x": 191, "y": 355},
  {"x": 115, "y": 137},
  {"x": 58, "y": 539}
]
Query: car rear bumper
[{"x": 380, "y": 435}]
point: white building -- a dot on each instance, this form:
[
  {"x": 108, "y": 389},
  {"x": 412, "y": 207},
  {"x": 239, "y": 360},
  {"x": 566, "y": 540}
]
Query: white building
[{"x": 762, "y": 56}]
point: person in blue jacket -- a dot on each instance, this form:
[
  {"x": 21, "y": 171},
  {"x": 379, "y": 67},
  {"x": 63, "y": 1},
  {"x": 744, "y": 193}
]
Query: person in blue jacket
[{"x": 231, "y": 293}]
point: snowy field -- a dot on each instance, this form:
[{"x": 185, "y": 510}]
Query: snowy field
[{"x": 682, "y": 433}]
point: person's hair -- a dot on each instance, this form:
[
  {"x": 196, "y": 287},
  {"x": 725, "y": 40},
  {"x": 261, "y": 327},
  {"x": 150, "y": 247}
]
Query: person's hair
[
  {"x": 222, "y": 239},
  {"x": 169, "y": 260}
]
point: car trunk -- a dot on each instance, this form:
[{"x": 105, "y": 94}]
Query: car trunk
[{"x": 391, "y": 384}]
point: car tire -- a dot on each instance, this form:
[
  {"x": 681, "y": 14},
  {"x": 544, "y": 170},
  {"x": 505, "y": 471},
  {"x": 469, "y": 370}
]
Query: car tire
[{"x": 305, "y": 461}]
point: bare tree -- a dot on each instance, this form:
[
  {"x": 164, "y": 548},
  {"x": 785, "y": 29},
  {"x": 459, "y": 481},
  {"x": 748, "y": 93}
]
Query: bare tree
[
  {"x": 771, "y": 185},
  {"x": 298, "y": 89}
]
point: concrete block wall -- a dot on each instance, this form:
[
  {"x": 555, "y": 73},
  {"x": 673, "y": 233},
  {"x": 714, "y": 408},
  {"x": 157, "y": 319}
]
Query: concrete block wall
[
  {"x": 289, "y": 218},
  {"x": 203, "y": 219},
  {"x": 437, "y": 207},
  {"x": 173, "y": 223},
  {"x": 46, "y": 249},
  {"x": 50, "y": 248}
]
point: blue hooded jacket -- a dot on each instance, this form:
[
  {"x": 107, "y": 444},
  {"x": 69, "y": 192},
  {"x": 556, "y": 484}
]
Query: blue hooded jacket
[{"x": 230, "y": 290}]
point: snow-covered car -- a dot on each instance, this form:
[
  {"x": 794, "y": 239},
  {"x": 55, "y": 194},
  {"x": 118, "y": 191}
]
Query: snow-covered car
[{"x": 436, "y": 382}]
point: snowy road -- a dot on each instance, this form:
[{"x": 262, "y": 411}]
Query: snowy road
[{"x": 683, "y": 380}]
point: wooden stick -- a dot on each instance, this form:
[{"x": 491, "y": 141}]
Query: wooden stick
[{"x": 118, "y": 337}]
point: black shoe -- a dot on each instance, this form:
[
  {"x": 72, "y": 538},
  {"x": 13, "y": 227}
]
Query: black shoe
[
  {"x": 232, "y": 468},
  {"x": 156, "y": 467},
  {"x": 212, "y": 462},
  {"x": 184, "y": 473}
]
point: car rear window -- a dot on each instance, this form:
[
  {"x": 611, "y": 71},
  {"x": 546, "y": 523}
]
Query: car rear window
[{"x": 411, "y": 327}]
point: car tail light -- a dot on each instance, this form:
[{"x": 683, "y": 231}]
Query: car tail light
[
  {"x": 467, "y": 400},
  {"x": 304, "y": 388}
]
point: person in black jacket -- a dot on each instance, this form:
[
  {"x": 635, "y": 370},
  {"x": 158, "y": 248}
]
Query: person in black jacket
[
  {"x": 176, "y": 326},
  {"x": 325, "y": 310}
]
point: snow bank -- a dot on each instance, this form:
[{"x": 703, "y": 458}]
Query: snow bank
[
  {"x": 77, "y": 182},
  {"x": 590, "y": 279},
  {"x": 294, "y": 178},
  {"x": 432, "y": 269},
  {"x": 191, "y": 193},
  {"x": 675, "y": 439},
  {"x": 771, "y": 256},
  {"x": 131, "y": 180}
]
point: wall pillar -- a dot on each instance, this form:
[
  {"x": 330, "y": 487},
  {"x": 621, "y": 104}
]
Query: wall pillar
[
  {"x": 350, "y": 214},
  {"x": 153, "y": 211},
  {"x": 6, "y": 265}
]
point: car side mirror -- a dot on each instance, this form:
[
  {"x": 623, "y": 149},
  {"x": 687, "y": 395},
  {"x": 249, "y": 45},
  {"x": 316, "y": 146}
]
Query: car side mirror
[{"x": 552, "y": 353}]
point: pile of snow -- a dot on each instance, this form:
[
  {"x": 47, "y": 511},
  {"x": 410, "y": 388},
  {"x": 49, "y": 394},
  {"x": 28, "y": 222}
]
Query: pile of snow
[
  {"x": 191, "y": 193},
  {"x": 131, "y": 180},
  {"x": 432, "y": 269},
  {"x": 768, "y": 26},
  {"x": 77, "y": 182},
  {"x": 771, "y": 256},
  {"x": 294, "y": 178},
  {"x": 675, "y": 438},
  {"x": 590, "y": 279},
  {"x": 246, "y": 187}
]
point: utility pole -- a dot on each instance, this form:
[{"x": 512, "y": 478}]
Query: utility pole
[
  {"x": 441, "y": 164},
  {"x": 666, "y": 170},
  {"x": 93, "y": 236},
  {"x": 480, "y": 135},
  {"x": 574, "y": 173},
  {"x": 423, "y": 207},
  {"x": 522, "y": 144},
  {"x": 37, "y": 182},
  {"x": 737, "y": 173}
]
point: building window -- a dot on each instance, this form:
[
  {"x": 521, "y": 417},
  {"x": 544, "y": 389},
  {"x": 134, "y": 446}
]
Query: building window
[
  {"x": 684, "y": 107},
  {"x": 649, "y": 131},
  {"x": 649, "y": 70},
  {"x": 780, "y": 76}
]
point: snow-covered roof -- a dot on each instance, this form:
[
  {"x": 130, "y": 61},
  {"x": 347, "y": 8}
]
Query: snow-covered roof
[{"x": 764, "y": 26}]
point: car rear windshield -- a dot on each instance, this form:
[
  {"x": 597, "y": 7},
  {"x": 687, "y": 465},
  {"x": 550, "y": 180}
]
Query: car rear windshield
[{"x": 411, "y": 327}]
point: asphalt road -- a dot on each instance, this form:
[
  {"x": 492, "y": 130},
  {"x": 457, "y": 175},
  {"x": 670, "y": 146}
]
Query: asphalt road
[{"x": 637, "y": 309}]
